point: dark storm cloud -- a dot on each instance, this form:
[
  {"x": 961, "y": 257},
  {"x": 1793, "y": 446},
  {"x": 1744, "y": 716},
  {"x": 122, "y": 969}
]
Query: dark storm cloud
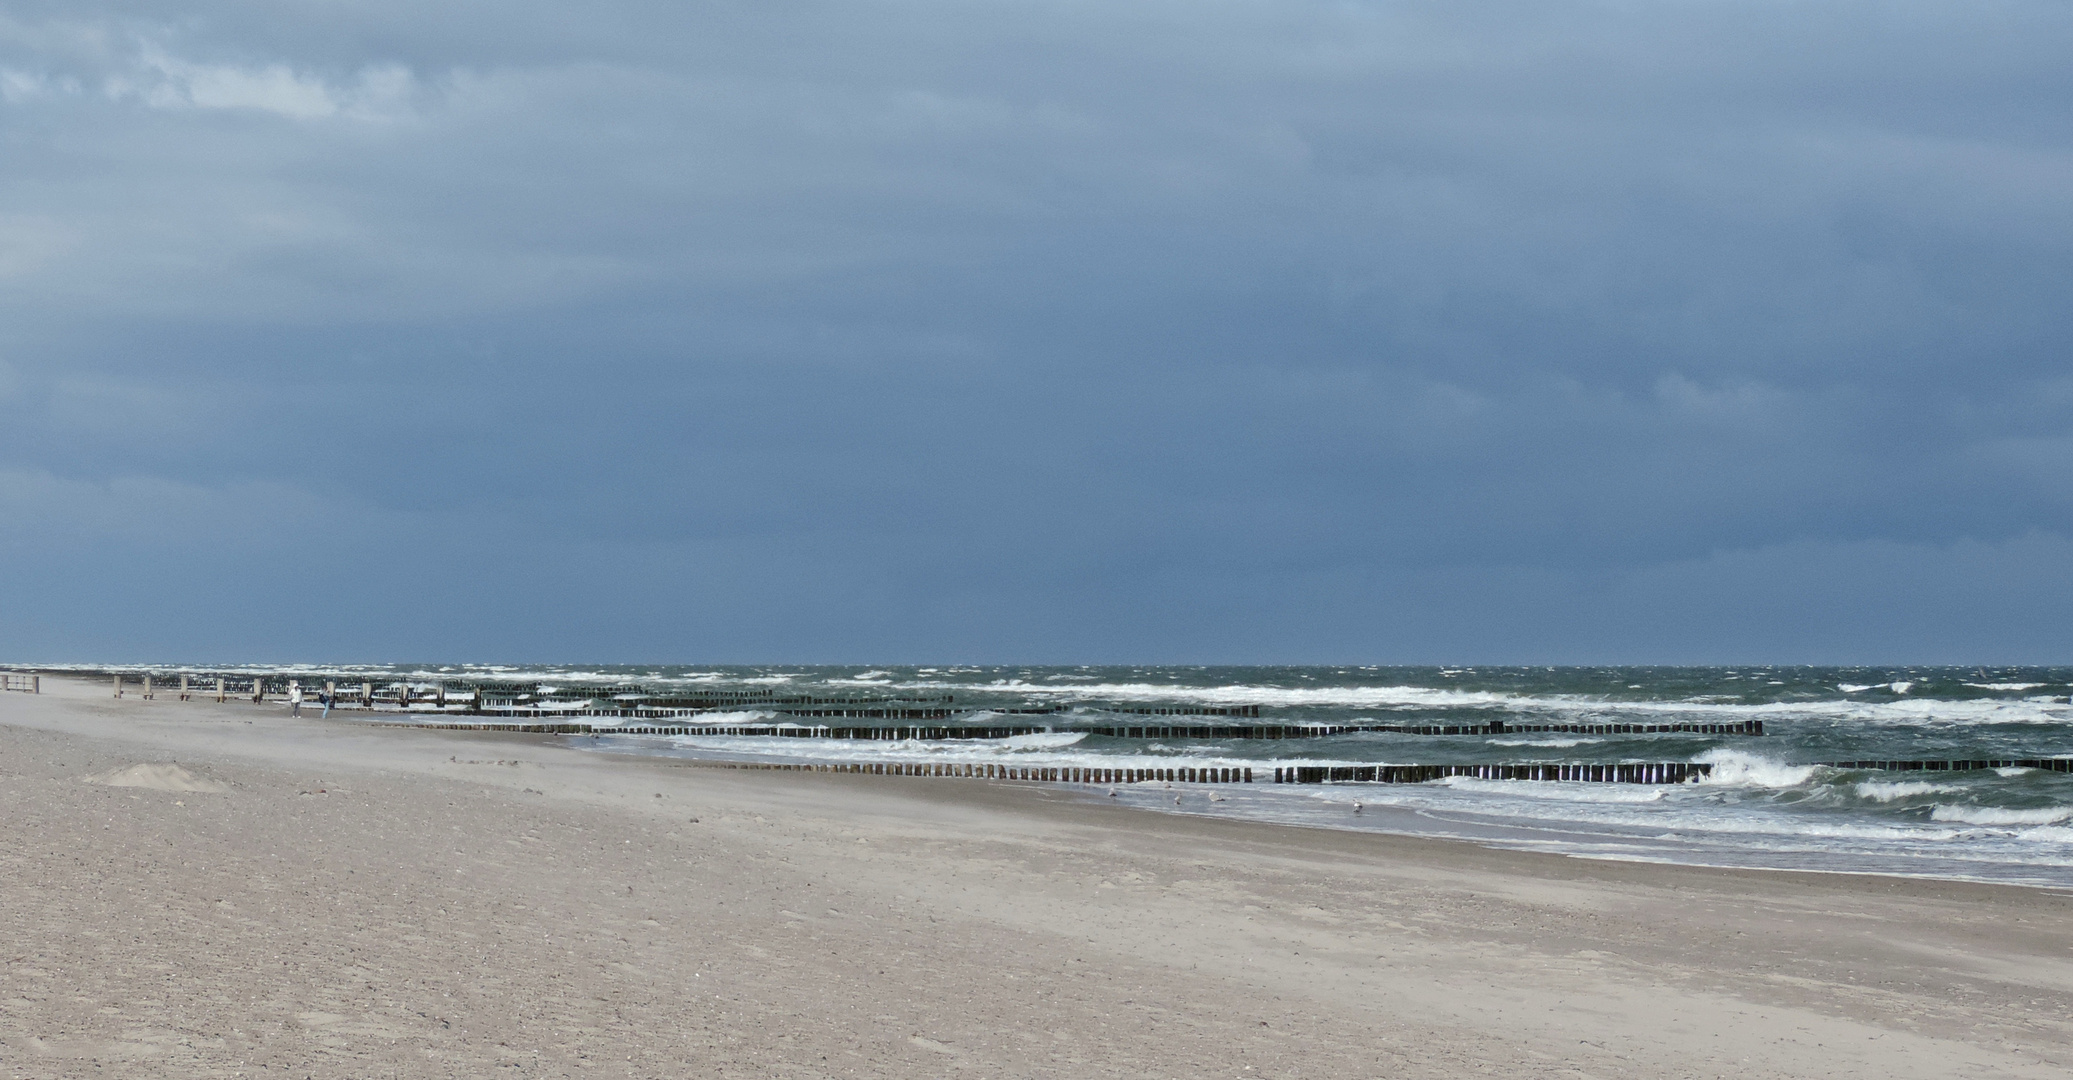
[{"x": 1039, "y": 331}]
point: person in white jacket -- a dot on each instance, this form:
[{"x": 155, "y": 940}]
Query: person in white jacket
[{"x": 294, "y": 698}]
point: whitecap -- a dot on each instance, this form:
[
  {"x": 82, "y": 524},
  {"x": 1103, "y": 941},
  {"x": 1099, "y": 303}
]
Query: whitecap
[
  {"x": 1243, "y": 694},
  {"x": 1887, "y": 791},
  {"x": 1045, "y": 740},
  {"x": 1744, "y": 770},
  {"x": 1557, "y": 791},
  {"x": 1996, "y": 815}
]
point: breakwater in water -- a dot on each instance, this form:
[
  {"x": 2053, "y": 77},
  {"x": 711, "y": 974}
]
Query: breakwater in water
[{"x": 1664, "y": 773}]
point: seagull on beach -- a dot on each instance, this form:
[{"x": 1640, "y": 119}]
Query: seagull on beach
[
  {"x": 1356, "y": 806},
  {"x": 1214, "y": 797}
]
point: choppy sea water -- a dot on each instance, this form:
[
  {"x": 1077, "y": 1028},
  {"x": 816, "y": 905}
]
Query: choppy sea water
[{"x": 1765, "y": 804}]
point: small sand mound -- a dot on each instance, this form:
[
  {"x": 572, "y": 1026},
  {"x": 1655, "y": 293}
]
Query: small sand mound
[{"x": 157, "y": 778}]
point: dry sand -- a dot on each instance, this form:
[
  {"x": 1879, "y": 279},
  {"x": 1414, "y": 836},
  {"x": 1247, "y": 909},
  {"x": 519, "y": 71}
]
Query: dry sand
[{"x": 193, "y": 889}]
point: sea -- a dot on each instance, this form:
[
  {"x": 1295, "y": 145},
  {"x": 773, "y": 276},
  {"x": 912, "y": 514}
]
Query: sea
[{"x": 1767, "y": 803}]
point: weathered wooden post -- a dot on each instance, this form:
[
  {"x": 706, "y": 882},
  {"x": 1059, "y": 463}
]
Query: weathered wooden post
[
  {"x": 147, "y": 686},
  {"x": 118, "y": 684},
  {"x": 183, "y": 688},
  {"x": 220, "y": 688},
  {"x": 403, "y": 696},
  {"x": 258, "y": 689},
  {"x": 367, "y": 695},
  {"x": 439, "y": 693}
]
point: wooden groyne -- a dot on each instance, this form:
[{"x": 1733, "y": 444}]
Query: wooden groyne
[
  {"x": 1672, "y": 772},
  {"x": 897, "y": 732},
  {"x": 1493, "y": 727},
  {"x": 2047, "y": 764},
  {"x": 1676, "y": 772},
  {"x": 1058, "y": 774},
  {"x": 28, "y": 684}
]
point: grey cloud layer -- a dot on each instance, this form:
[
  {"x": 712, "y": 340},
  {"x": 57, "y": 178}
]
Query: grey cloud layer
[{"x": 1045, "y": 330}]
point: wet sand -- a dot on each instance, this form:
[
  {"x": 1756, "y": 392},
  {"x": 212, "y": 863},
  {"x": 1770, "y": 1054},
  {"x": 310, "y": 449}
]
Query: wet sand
[{"x": 194, "y": 889}]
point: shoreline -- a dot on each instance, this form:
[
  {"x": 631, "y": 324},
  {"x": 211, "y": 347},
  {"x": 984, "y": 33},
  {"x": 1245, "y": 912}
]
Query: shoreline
[
  {"x": 1077, "y": 791},
  {"x": 1004, "y": 928}
]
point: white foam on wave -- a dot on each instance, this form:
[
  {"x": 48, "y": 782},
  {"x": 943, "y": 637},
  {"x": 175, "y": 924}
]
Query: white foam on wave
[
  {"x": 1557, "y": 791},
  {"x": 1672, "y": 814},
  {"x": 1912, "y": 712},
  {"x": 1045, "y": 740},
  {"x": 1373, "y": 697},
  {"x": 744, "y": 718},
  {"x": 1558, "y": 744},
  {"x": 867, "y": 678},
  {"x": 1888, "y": 791},
  {"x": 1046, "y": 749},
  {"x": 1557, "y": 708},
  {"x": 1747, "y": 770},
  {"x": 1998, "y": 815},
  {"x": 2009, "y": 686}
]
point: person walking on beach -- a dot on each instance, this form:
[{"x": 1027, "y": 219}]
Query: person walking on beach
[
  {"x": 294, "y": 698},
  {"x": 325, "y": 695}
]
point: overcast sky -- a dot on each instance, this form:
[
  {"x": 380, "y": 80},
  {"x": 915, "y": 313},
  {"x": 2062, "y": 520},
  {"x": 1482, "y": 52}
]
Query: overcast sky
[{"x": 1037, "y": 331}]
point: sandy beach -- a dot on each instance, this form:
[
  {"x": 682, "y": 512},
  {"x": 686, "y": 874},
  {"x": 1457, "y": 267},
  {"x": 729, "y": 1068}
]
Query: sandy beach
[{"x": 195, "y": 889}]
